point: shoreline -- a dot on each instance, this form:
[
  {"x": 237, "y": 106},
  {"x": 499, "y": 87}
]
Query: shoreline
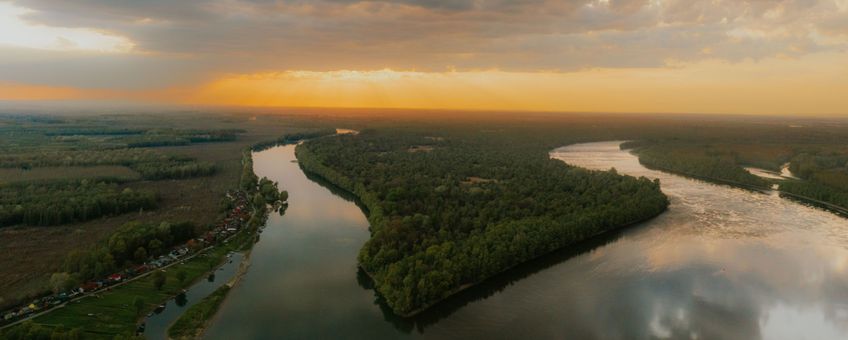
[
  {"x": 830, "y": 207},
  {"x": 467, "y": 286},
  {"x": 232, "y": 283}
]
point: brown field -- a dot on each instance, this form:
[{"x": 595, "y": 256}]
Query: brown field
[
  {"x": 31, "y": 254},
  {"x": 420, "y": 148},
  {"x": 476, "y": 180}
]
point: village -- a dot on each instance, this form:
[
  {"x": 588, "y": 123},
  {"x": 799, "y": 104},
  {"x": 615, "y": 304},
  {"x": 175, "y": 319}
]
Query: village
[{"x": 235, "y": 220}]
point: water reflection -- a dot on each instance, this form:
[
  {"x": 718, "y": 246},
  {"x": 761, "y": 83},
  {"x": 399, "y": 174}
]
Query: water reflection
[
  {"x": 721, "y": 263},
  {"x": 163, "y": 316},
  {"x": 181, "y": 300}
]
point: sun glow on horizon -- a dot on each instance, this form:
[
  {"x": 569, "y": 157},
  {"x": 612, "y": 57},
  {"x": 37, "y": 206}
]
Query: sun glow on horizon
[{"x": 710, "y": 87}]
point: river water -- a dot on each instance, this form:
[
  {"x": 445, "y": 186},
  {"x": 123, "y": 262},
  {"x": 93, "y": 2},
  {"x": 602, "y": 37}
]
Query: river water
[
  {"x": 157, "y": 324},
  {"x": 721, "y": 263}
]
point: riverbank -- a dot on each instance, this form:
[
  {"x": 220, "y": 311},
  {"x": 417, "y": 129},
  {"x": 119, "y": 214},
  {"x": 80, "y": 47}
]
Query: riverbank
[
  {"x": 838, "y": 210},
  {"x": 194, "y": 322},
  {"x": 513, "y": 267},
  {"x": 766, "y": 181}
]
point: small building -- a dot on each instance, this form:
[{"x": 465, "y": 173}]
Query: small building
[{"x": 89, "y": 286}]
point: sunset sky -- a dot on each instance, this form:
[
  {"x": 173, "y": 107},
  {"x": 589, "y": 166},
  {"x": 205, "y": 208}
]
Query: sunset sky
[{"x": 700, "y": 56}]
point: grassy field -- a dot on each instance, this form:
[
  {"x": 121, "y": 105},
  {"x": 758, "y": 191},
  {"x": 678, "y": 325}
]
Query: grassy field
[
  {"x": 189, "y": 325},
  {"x": 112, "y": 313}
]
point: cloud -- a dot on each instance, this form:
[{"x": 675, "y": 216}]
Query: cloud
[{"x": 196, "y": 39}]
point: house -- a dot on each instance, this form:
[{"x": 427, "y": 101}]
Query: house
[
  {"x": 115, "y": 278},
  {"x": 89, "y": 286},
  {"x": 140, "y": 269}
]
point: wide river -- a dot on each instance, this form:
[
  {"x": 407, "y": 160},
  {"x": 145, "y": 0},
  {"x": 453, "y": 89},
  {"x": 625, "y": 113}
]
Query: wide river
[{"x": 721, "y": 263}]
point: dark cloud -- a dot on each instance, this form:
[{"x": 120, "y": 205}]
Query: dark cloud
[{"x": 526, "y": 35}]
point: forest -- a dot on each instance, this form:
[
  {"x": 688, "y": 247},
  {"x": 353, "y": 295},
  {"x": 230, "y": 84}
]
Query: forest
[
  {"x": 450, "y": 209},
  {"x": 132, "y": 243},
  {"x": 293, "y": 138},
  {"x": 150, "y": 164},
  {"x": 818, "y": 165},
  {"x": 61, "y": 202},
  {"x": 698, "y": 161}
]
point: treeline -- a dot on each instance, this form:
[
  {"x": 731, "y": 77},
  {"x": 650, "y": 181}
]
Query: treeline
[
  {"x": 824, "y": 174},
  {"x": 264, "y": 190},
  {"x": 457, "y": 208},
  {"x": 158, "y": 138},
  {"x": 816, "y": 191},
  {"x": 693, "y": 161},
  {"x": 92, "y": 132},
  {"x": 150, "y": 164},
  {"x": 132, "y": 243},
  {"x": 53, "y": 158},
  {"x": 248, "y": 179},
  {"x": 174, "y": 170},
  {"x": 828, "y": 168},
  {"x": 290, "y": 138},
  {"x": 822, "y": 168},
  {"x": 61, "y": 202}
]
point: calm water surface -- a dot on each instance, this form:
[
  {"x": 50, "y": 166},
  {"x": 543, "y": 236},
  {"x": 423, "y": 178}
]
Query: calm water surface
[
  {"x": 721, "y": 263},
  {"x": 156, "y": 325}
]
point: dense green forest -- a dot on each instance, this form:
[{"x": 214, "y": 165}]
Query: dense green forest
[
  {"x": 697, "y": 161},
  {"x": 820, "y": 169},
  {"x": 293, "y": 138},
  {"x": 150, "y": 164},
  {"x": 61, "y": 202},
  {"x": 823, "y": 172},
  {"x": 133, "y": 242},
  {"x": 450, "y": 209}
]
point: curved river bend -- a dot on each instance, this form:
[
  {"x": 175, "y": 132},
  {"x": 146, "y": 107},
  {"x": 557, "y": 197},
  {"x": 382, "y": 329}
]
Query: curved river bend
[{"x": 721, "y": 263}]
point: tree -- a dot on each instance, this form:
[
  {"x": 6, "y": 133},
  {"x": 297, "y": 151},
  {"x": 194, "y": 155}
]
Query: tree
[
  {"x": 258, "y": 200},
  {"x": 154, "y": 247},
  {"x": 140, "y": 255},
  {"x": 60, "y": 282},
  {"x": 159, "y": 279},
  {"x": 284, "y": 196}
]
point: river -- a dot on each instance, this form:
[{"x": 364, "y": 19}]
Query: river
[
  {"x": 721, "y": 263},
  {"x": 158, "y": 322}
]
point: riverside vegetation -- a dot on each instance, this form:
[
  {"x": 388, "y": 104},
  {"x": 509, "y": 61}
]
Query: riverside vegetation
[
  {"x": 818, "y": 162},
  {"x": 448, "y": 210},
  {"x": 190, "y": 324}
]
